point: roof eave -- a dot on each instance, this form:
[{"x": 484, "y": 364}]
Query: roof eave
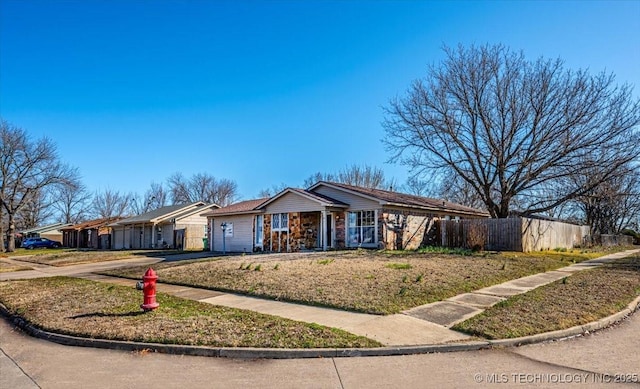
[
  {"x": 353, "y": 192},
  {"x": 436, "y": 209},
  {"x": 250, "y": 212},
  {"x": 189, "y": 211}
]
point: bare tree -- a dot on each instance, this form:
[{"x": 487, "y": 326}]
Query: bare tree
[
  {"x": 312, "y": 179},
  {"x": 453, "y": 188},
  {"x": 110, "y": 204},
  {"x": 201, "y": 187},
  {"x": 613, "y": 205},
  {"x": 27, "y": 167},
  {"x": 179, "y": 189},
  {"x": 364, "y": 176},
  {"x": 155, "y": 197},
  {"x": 71, "y": 201},
  {"x": 450, "y": 188},
  {"x": 36, "y": 210},
  {"x": 274, "y": 190},
  {"x": 512, "y": 129}
]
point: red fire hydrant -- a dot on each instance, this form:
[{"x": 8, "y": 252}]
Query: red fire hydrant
[{"x": 148, "y": 288}]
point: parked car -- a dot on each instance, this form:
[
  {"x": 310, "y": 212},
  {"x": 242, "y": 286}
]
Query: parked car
[{"x": 32, "y": 243}]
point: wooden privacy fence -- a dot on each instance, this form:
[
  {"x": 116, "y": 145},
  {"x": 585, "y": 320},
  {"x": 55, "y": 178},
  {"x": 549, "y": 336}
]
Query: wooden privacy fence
[{"x": 513, "y": 234}]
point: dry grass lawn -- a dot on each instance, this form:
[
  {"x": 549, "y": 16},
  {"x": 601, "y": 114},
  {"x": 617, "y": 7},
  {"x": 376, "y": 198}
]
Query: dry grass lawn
[
  {"x": 96, "y": 310},
  {"x": 67, "y": 257},
  {"x": 6, "y": 266},
  {"x": 364, "y": 281},
  {"x": 584, "y": 297}
]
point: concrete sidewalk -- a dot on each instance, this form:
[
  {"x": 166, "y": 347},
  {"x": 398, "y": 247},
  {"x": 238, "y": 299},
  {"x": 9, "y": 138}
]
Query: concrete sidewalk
[
  {"x": 392, "y": 330},
  {"x": 424, "y": 325},
  {"x": 464, "y": 306}
]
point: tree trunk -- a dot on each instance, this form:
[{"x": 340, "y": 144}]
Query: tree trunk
[
  {"x": 1, "y": 227},
  {"x": 11, "y": 242}
]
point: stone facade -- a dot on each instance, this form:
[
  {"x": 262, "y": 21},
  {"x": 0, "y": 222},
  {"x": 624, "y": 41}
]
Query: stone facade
[
  {"x": 283, "y": 241},
  {"x": 310, "y": 224},
  {"x": 341, "y": 230},
  {"x": 303, "y": 234},
  {"x": 266, "y": 242},
  {"x": 397, "y": 230},
  {"x": 406, "y": 230},
  {"x": 295, "y": 234}
]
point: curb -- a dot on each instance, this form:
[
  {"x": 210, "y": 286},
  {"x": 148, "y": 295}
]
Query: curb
[
  {"x": 570, "y": 332},
  {"x": 233, "y": 352},
  {"x": 274, "y": 353}
]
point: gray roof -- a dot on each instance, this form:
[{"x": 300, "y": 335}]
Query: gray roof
[
  {"x": 246, "y": 206},
  {"x": 42, "y": 229},
  {"x": 165, "y": 213}
]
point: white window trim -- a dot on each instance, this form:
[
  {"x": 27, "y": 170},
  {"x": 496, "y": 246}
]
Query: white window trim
[
  {"x": 280, "y": 220},
  {"x": 255, "y": 235},
  {"x": 375, "y": 228}
]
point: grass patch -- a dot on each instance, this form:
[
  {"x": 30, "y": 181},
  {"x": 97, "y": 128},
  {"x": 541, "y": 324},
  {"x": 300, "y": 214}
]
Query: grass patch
[
  {"x": 20, "y": 252},
  {"x": 398, "y": 266},
  {"x": 6, "y": 267},
  {"x": 348, "y": 282},
  {"x": 67, "y": 257},
  {"x": 97, "y": 310},
  {"x": 584, "y": 297},
  {"x": 445, "y": 250}
]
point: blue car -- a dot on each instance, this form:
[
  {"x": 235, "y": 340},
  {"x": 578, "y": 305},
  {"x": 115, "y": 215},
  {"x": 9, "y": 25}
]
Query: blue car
[{"x": 34, "y": 243}]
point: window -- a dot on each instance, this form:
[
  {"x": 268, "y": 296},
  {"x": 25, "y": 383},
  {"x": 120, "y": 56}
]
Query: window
[
  {"x": 280, "y": 222},
  {"x": 259, "y": 235},
  {"x": 361, "y": 227}
]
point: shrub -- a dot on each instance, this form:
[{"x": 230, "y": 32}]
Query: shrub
[{"x": 476, "y": 236}]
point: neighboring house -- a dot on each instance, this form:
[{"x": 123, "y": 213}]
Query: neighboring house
[
  {"x": 94, "y": 234},
  {"x": 174, "y": 226},
  {"x": 330, "y": 215},
  {"x": 243, "y": 223},
  {"x": 51, "y": 231}
]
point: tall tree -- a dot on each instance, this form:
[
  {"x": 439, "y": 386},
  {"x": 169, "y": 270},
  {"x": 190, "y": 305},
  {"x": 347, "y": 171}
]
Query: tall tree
[
  {"x": 420, "y": 187},
  {"x": 36, "y": 210},
  {"x": 110, "y": 203},
  {"x": 450, "y": 188},
  {"x": 26, "y": 167},
  {"x": 155, "y": 197},
  {"x": 613, "y": 205},
  {"x": 457, "y": 190},
  {"x": 358, "y": 175},
  {"x": 201, "y": 187},
  {"x": 71, "y": 201},
  {"x": 512, "y": 129},
  {"x": 274, "y": 190}
]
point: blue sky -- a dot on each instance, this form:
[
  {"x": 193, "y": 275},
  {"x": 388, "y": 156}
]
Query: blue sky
[{"x": 260, "y": 92}]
